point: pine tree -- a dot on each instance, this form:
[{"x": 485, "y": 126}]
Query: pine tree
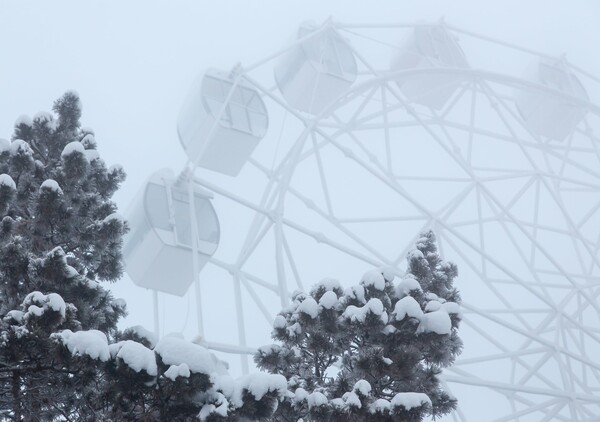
[
  {"x": 60, "y": 237},
  {"x": 61, "y": 355},
  {"x": 371, "y": 352}
]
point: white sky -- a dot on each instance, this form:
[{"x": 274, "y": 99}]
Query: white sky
[{"x": 133, "y": 61}]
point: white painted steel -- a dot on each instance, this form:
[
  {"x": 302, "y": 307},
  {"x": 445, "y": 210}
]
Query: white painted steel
[
  {"x": 340, "y": 188},
  {"x": 221, "y": 144},
  {"x": 316, "y": 71},
  {"x": 429, "y": 47},
  {"x": 158, "y": 250}
]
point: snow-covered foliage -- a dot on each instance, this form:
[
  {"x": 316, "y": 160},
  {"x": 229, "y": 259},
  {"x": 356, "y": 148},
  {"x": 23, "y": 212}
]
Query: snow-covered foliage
[
  {"x": 57, "y": 318},
  {"x": 62, "y": 355},
  {"x": 181, "y": 380},
  {"x": 372, "y": 351}
]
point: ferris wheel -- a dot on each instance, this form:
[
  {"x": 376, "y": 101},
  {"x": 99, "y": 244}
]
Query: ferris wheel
[{"x": 330, "y": 156}]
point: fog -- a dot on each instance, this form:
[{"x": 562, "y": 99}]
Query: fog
[{"x": 133, "y": 64}]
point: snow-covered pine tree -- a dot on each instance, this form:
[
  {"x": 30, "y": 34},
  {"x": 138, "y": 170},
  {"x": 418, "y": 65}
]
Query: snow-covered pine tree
[
  {"x": 371, "y": 352},
  {"x": 60, "y": 237},
  {"x": 61, "y": 355}
]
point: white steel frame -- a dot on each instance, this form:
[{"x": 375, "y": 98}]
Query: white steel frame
[{"x": 552, "y": 372}]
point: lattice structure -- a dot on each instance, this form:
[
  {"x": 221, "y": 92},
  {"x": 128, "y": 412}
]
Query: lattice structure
[{"x": 519, "y": 211}]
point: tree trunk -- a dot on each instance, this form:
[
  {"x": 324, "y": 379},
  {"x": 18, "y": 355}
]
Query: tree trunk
[{"x": 16, "y": 393}]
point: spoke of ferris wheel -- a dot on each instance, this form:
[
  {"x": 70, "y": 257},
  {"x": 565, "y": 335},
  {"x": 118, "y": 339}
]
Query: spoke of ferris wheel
[
  {"x": 518, "y": 141},
  {"x": 322, "y": 178},
  {"x": 515, "y": 357},
  {"x": 590, "y": 398},
  {"x": 536, "y": 225},
  {"x": 319, "y": 237},
  {"x": 280, "y": 264},
  {"x": 255, "y": 237},
  {"x": 564, "y": 366},
  {"x": 499, "y": 219},
  {"x": 472, "y": 113},
  {"x": 465, "y": 86},
  {"x": 550, "y": 149},
  {"x": 292, "y": 261},
  {"x": 481, "y": 234},
  {"x": 352, "y": 220},
  {"x": 595, "y": 141},
  {"x": 550, "y": 318},
  {"x": 266, "y": 202},
  {"x": 442, "y": 144},
  {"x": 513, "y": 396},
  {"x": 552, "y": 192},
  {"x": 259, "y": 303},
  {"x": 543, "y": 406},
  {"x": 240, "y": 320},
  {"x": 335, "y": 222},
  {"x": 253, "y": 234},
  {"x": 232, "y": 270},
  {"x": 596, "y": 250},
  {"x": 591, "y": 364},
  {"x": 535, "y": 293},
  {"x": 398, "y": 189},
  {"x": 499, "y": 356},
  {"x": 567, "y": 151},
  {"x": 466, "y": 169},
  {"x": 386, "y": 132},
  {"x": 500, "y": 321}
]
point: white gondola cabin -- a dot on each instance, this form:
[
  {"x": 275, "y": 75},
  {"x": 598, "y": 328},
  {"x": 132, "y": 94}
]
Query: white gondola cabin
[
  {"x": 548, "y": 114},
  {"x": 429, "y": 47},
  {"x": 217, "y": 134},
  {"x": 316, "y": 71},
  {"x": 158, "y": 249}
]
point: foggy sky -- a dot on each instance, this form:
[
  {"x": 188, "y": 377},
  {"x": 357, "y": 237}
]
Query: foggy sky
[{"x": 133, "y": 61}]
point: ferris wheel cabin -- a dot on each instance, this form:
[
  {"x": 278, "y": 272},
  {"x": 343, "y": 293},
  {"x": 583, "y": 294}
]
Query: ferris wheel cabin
[
  {"x": 316, "y": 71},
  {"x": 429, "y": 47},
  {"x": 220, "y": 125},
  {"x": 551, "y": 114},
  {"x": 158, "y": 249}
]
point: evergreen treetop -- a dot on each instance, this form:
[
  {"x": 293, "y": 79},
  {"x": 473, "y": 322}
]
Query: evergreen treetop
[{"x": 373, "y": 351}]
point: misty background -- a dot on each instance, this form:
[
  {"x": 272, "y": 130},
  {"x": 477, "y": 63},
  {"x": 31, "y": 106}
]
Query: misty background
[{"x": 133, "y": 63}]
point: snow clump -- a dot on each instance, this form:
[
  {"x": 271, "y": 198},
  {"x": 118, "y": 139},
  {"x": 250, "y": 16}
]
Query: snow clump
[
  {"x": 51, "y": 185},
  {"x": 38, "y": 303},
  {"x": 175, "y": 351},
  {"x": 72, "y": 147},
  {"x": 328, "y": 300},
  {"x": 144, "y": 333},
  {"x": 23, "y": 119},
  {"x": 409, "y": 401},
  {"x": 316, "y": 399},
  {"x": 380, "y": 406},
  {"x": 374, "y": 306},
  {"x": 6, "y": 180},
  {"x": 363, "y": 387},
  {"x": 375, "y": 279},
  {"x": 259, "y": 384},
  {"x": 309, "y": 307},
  {"x": 91, "y": 154},
  {"x": 19, "y": 146},
  {"x": 279, "y": 321},
  {"x": 135, "y": 355},
  {"x": 175, "y": 371},
  {"x": 92, "y": 343},
  {"x": 436, "y": 322},
  {"x": 406, "y": 285},
  {"x": 407, "y": 306}
]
